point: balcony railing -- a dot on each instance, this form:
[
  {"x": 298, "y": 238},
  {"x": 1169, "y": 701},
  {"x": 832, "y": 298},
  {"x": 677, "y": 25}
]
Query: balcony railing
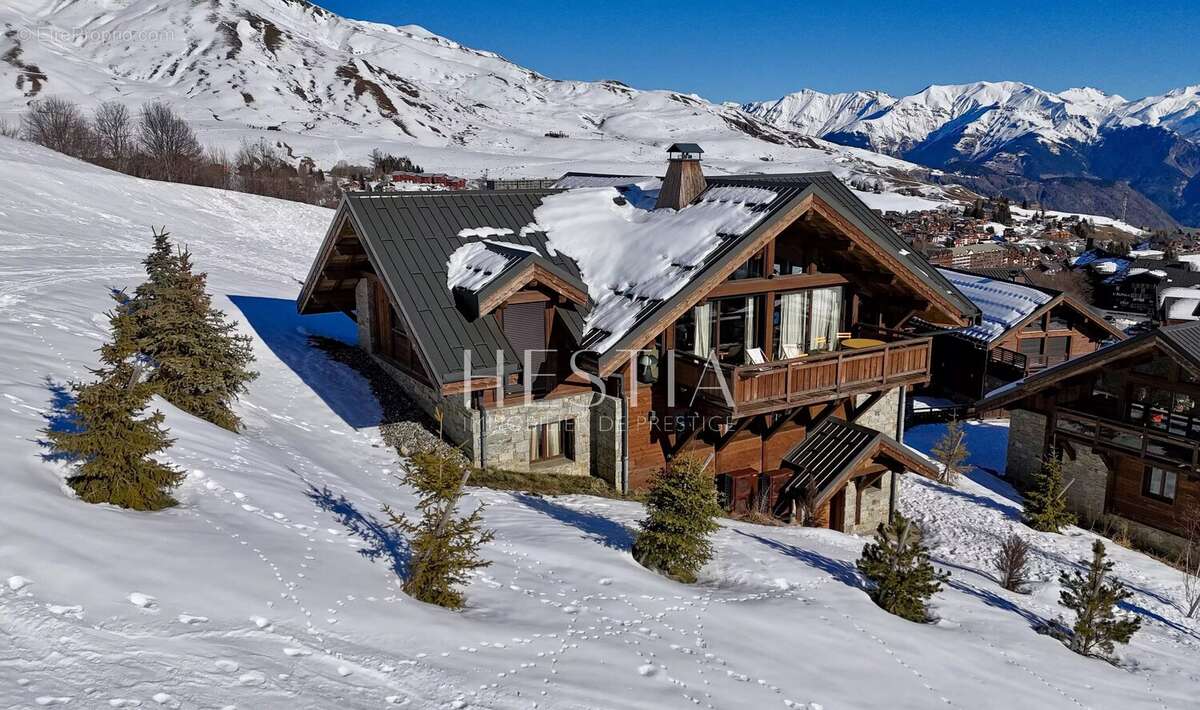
[
  {"x": 782, "y": 384},
  {"x": 1140, "y": 441}
]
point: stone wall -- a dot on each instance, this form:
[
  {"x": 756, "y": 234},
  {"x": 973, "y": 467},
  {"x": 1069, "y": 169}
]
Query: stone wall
[
  {"x": 607, "y": 439},
  {"x": 507, "y": 432},
  {"x": 1087, "y": 478},
  {"x": 1026, "y": 436},
  {"x": 875, "y": 507},
  {"x": 883, "y": 415}
]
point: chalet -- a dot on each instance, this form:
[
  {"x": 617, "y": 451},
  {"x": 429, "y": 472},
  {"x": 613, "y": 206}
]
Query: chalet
[
  {"x": 1025, "y": 328},
  {"x": 607, "y": 329},
  {"x": 1125, "y": 421}
]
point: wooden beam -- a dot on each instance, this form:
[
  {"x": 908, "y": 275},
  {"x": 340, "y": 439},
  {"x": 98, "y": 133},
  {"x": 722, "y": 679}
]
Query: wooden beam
[
  {"x": 727, "y": 437},
  {"x": 789, "y": 282}
]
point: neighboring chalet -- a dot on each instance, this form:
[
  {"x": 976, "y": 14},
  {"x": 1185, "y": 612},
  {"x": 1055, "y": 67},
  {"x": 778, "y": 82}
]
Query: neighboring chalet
[
  {"x": 1125, "y": 421},
  {"x": 723, "y": 318},
  {"x": 1025, "y": 328}
]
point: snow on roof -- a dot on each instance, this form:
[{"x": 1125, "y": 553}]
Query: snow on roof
[
  {"x": 1147, "y": 254},
  {"x": 1192, "y": 261},
  {"x": 575, "y": 181},
  {"x": 1003, "y": 303},
  {"x": 1180, "y": 303},
  {"x": 473, "y": 265},
  {"x": 629, "y": 256},
  {"x": 484, "y": 232}
]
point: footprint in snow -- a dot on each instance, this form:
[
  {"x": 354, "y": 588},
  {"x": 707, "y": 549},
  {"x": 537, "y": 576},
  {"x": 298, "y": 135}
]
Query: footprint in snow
[
  {"x": 123, "y": 703},
  {"x": 226, "y": 666},
  {"x": 252, "y": 678},
  {"x": 189, "y": 619},
  {"x": 144, "y": 601},
  {"x": 163, "y": 699},
  {"x": 261, "y": 622},
  {"x": 73, "y": 610},
  {"x": 51, "y": 700}
]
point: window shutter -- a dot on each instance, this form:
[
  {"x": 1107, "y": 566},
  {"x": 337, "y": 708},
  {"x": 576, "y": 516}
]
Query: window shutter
[{"x": 525, "y": 328}]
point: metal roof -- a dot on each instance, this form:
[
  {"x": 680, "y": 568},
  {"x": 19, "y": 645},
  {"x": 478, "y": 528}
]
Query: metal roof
[
  {"x": 410, "y": 237},
  {"x": 685, "y": 148},
  {"x": 1185, "y": 337},
  {"x": 834, "y": 450}
]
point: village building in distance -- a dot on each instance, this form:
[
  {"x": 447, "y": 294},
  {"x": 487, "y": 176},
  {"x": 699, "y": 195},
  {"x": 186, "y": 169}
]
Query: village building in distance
[
  {"x": 1125, "y": 422},
  {"x": 1025, "y": 329},
  {"x": 765, "y": 324}
]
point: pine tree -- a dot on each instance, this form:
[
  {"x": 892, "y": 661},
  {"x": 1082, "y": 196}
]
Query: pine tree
[
  {"x": 951, "y": 452},
  {"x": 445, "y": 548},
  {"x": 681, "y": 512},
  {"x": 897, "y": 565},
  {"x": 122, "y": 319},
  {"x": 111, "y": 441},
  {"x": 1093, "y": 596},
  {"x": 201, "y": 365},
  {"x": 1046, "y": 500}
]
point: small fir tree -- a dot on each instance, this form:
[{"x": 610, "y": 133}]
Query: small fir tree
[
  {"x": 1046, "y": 500},
  {"x": 445, "y": 548},
  {"x": 112, "y": 442},
  {"x": 1093, "y": 596},
  {"x": 1012, "y": 562},
  {"x": 897, "y": 565},
  {"x": 951, "y": 452},
  {"x": 681, "y": 512},
  {"x": 201, "y": 364}
]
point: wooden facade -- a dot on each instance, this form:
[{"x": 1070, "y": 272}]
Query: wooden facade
[
  {"x": 1137, "y": 407},
  {"x": 1060, "y": 330}
]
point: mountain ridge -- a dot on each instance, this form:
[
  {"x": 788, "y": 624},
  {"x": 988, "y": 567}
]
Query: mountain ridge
[{"x": 1014, "y": 128}]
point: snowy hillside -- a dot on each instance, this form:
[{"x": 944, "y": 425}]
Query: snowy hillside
[
  {"x": 333, "y": 88},
  {"x": 274, "y": 586}
]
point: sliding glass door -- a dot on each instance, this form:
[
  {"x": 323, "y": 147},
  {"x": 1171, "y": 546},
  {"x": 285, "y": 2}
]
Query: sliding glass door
[
  {"x": 729, "y": 326},
  {"x": 807, "y": 321}
]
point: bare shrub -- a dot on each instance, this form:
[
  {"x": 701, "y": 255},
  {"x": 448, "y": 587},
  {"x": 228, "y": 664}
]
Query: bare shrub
[
  {"x": 1012, "y": 562},
  {"x": 59, "y": 125},
  {"x": 951, "y": 452},
  {"x": 8, "y": 129},
  {"x": 171, "y": 151},
  {"x": 807, "y": 510},
  {"x": 113, "y": 126}
]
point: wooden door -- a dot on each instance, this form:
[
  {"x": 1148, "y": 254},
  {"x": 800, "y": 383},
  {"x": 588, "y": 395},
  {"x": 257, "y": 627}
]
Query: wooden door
[{"x": 837, "y": 511}]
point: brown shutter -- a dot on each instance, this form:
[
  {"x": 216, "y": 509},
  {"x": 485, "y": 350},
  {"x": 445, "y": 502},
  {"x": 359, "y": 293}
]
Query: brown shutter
[{"x": 525, "y": 328}]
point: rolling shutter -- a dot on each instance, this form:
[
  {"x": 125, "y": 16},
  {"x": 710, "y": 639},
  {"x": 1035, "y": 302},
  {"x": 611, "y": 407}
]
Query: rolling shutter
[{"x": 525, "y": 328}]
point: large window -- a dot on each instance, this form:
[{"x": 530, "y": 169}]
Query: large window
[
  {"x": 555, "y": 440},
  {"x": 1159, "y": 484},
  {"x": 807, "y": 321},
  {"x": 1174, "y": 412},
  {"x": 736, "y": 329}
]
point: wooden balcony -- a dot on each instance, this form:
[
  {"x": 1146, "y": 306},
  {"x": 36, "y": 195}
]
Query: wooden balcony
[
  {"x": 1143, "y": 442},
  {"x": 783, "y": 384}
]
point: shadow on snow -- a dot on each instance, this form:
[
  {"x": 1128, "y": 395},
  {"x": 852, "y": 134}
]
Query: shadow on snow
[
  {"x": 60, "y": 417},
  {"x": 596, "y": 527},
  {"x": 381, "y": 541},
  {"x": 286, "y": 333},
  {"x": 842, "y": 571}
]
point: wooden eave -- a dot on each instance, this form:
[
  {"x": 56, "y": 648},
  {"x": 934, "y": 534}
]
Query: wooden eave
[
  {"x": 531, "y": 273},
  {"x": 1051, "y": 376}
]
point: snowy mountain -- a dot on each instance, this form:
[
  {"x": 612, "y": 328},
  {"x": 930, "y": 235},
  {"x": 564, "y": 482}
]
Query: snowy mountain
[
  {"x": 333, "y": 88},
  {"x": 1010, "y": 128},
  {"x": 274, "y": 585}
]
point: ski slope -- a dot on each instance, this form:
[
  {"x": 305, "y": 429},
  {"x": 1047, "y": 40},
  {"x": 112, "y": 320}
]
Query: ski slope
[{"x": 273, "y": 585}]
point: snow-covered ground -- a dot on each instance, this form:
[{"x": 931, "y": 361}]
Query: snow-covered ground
[{"x": 274, "y": 583}]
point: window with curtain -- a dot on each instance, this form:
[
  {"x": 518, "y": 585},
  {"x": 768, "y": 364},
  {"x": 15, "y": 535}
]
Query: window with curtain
[
  {"x": 791, "y": 323},
  {"x": 551, "y": 441},
  {"x": 736, "y": 327},
  {"x": 1160, "y": 484},
  {"x": 826, "y": 318}
]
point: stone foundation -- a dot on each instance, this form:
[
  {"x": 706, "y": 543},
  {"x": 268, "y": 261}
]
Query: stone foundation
[
  {"x": 1026, "y": 436},
  {"x": 876, "y": 505}
]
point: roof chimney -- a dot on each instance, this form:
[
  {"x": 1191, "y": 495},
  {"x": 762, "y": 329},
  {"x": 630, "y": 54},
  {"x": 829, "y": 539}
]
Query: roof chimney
[{"x": 684, "y": 180}]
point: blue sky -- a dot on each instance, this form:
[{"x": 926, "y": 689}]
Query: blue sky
[{"x": 743, "y": 50}]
